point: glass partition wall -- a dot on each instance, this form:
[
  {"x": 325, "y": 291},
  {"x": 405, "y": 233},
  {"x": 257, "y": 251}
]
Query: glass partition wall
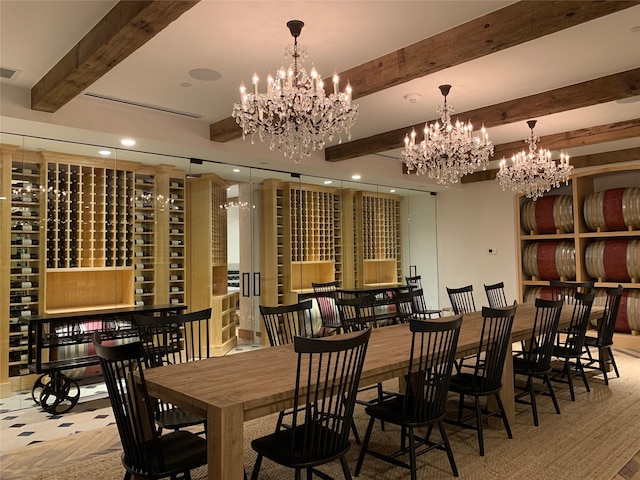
[{"x": 90, "y": 227}]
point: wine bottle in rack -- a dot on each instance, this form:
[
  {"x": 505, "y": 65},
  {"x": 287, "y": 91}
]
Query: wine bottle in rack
[{"x": 23, "y": 284}]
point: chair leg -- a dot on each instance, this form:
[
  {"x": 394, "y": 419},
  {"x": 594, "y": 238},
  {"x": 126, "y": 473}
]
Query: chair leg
[
  {"x": 280, "y": 420},
  {"x": 532, "y": 396},
  {"x": 412, "y": 454},
  {"x": 584, "y": 375},
  {"x": 505, "y": 420},
  {"x": 298, "y": 475},
  {"x": 345, "y": 468},
  {"x": 256, "y": 467},
  {"x": 613, "y": 361},
  {"x": 365, "y": 444},
  {"x": 552, "y": 394},
  {"x": 127, "y": 475},
  {"x": 460, "y": 406},
  {"x": 354, "y": 430},
  {"x": 603, "y": 365},
  {"x": 567, "y": 370},
  {"x": 447, "y": 447},
  {"x": 479, "y": 425}
]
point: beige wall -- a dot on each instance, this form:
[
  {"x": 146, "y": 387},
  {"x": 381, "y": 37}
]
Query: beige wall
[{"x": 470, "y": 220}]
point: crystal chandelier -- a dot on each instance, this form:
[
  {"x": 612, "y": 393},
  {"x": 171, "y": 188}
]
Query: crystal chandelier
[
  {"x": 295, "y": 114},
  {"x": 448, "y": 151},
  {"x": 534, "y": 173}
]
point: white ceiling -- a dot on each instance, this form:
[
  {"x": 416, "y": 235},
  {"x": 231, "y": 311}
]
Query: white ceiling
[{"x": 237, "y": 38}]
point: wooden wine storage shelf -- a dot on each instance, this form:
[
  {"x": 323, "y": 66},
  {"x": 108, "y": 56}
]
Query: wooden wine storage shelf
[
  {"x": 86, "y": 233},
  {"x": 582, "y": 184},
  {"x": 321, "y": 234}
]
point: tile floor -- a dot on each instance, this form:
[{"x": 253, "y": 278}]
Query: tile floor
[{"x": 23, "y": 422}]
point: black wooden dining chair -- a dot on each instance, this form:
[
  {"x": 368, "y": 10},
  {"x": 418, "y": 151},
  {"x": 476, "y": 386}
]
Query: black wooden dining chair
[
  {"x": 325, "y": 286},
  {"x": 327, "y": 377},
  {"x": 357, "y": 313},
  {"x": 284, "y": 322},
  {"x": 604, "y": 339},
  {"x": 495, "y": 295},
  {"x": 566, "y": 290},
  {"x": 414, "y": 281},
  {"x": 462, "y": 299},
  {"x": 146, "y": 453},
  {"x": 423, "y": 402},
  {"x": 169, "y": 340},
  {"x": 485, "y": 379},
  {"x": 326, "y": 301},
  {"x": 462, "y": 302},
  {"x": 419, "y": 305},
  {"x": 570, "y": 343},
  {"x": 533, "y": 360}
]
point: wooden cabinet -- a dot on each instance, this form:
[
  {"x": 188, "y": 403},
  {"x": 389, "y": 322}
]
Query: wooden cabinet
[
  {"x": 207, "y": 240},
  {"x": 596, "y": 237}
]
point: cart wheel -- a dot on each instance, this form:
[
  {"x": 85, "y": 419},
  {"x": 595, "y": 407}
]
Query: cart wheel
[
  {"x": 38, "y": 385},
  {"x": 60, "y": 395}
]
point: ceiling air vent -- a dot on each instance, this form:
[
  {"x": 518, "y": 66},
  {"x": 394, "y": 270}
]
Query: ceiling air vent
[
  {"x": 142, "y": 105},
  {"x": 8, "y": 73}
]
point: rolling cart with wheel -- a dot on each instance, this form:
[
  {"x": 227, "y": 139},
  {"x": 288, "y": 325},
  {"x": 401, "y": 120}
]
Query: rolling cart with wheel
[{"x": 60, "y": 348}]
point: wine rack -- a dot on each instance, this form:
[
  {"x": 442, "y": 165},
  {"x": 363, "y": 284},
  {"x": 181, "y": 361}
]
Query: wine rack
[
  {"x": 177, "y": 240},
  {"x": 25, "y": 257},
  {"x": 144, "y": 239},
  {"x": 89, "y": 216},
  {"x": 378, "y": 232}
]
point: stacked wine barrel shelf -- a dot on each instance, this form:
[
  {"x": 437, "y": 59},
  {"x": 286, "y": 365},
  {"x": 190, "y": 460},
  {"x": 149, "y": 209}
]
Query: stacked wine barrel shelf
[
  {"x": 320, "y": 234},
  {"x": 86, "y": 233},
  {"x": 588, "y": 230}
]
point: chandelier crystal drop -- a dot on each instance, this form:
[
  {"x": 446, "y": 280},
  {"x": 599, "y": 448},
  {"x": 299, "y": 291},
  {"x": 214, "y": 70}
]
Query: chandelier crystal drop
[
  {"x": 295, "y": 114},
  {"x": 534, "y": 173},
  {"x": 448, "y": 151}
]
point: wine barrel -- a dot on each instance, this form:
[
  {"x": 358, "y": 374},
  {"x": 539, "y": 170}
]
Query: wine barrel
[
  {"x": 549, "y": 214},
  {"x": 616, "y": 260},
  {"x": 629, "y": 312},
  {"x": 549, "y": 260},
  {"x": 613, "y": 210}
]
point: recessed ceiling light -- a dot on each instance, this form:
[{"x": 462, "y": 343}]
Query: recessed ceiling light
[
  {"x": 392, "y": 190},
  {"x": 128, "y": 142},
  {"x": 635, "y": 29},
  {"x": 355, "y": 177},
  {"x": 328, "y": 182},
  {"x": 186, "y": 84},
  {"x": 236, "y": 170},
  {"x": 104, "y": 153},
  {"x": 205, "y": 74}
]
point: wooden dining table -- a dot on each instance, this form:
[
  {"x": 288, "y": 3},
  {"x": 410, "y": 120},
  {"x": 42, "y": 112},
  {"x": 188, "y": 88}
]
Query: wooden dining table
[{"x": 233, "y": 389}]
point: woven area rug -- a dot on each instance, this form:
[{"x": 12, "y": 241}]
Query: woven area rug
[{"x": 593, "y": 438}]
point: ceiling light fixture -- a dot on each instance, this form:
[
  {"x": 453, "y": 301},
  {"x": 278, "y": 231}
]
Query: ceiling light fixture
[
  {"x": 448, "y": 152},
  {"x": 534, "y": 173},
  {"x": 127, "y": 142},
  {"x": 295, "y": 114}
]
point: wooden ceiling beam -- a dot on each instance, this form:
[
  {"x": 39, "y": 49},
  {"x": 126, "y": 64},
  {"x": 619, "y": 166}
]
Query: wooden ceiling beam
[
  {"x": 510, "y": 26},
  {"x": 585, "y": 136},
  {"x": 592, "y": 92},
  {"x": 127, "y": 26}
]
